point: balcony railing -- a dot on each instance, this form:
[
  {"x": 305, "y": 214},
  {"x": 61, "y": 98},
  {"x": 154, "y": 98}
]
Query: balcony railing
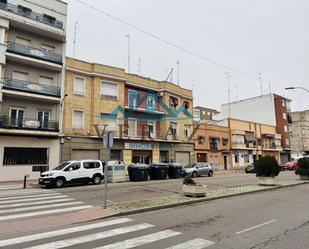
[
  {"x": 26, "y": 12},
  {"x": 7, "y": 122},
  {"x": 34, "y": 52},
  {"x": 32, "y": 87}
]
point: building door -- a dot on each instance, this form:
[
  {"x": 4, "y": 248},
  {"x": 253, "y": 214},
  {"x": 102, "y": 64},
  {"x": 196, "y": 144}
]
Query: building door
[
  {"x": 183, "y": 158},
  {"x": 142, "y": 157},
  {"x": 43, "y": 118},
  {"x": 17, "y": 117},
  {"x": 225, "y": 162}
]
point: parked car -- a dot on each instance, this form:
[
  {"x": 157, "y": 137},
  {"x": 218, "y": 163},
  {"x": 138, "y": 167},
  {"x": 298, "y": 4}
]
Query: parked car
[
  {"x": 250, "y": 169},
  {"x": 289, "y": 166},
  {"x": 79, "y": 171},
  {"x": 198, "y": 169}
]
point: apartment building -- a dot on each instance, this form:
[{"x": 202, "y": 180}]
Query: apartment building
[
  {"x": 152, "y": 120},
  {"x": 270, "y": 109},
  {"x": 212, "y": 145},
  {"x": 250, "y": 141},
  {"x": 299, "y": 132},
  {"x": 204, "y": 113},
  {"x": 32, "y": 53}
]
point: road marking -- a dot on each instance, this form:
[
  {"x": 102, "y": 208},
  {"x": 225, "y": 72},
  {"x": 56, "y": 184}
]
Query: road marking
[
  {"x": 26, "y": 196},
  {"x": 257, "y": 226},
  {"x": 92, "y": 237},
  {"x": 15, "y": 210},
  {"x": 195, "y": 243},
  {"x": 23, "y": 192},
  {"x": 139, "y": 241},
  {"x": 39, "y": 236},
  {"x": 25, "y": 215},
  {"x": 24, "y": 204},
  {"x": 34, "y": 199}
]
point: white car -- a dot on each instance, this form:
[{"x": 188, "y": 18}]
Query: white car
[{"x": 80, "y": 171}]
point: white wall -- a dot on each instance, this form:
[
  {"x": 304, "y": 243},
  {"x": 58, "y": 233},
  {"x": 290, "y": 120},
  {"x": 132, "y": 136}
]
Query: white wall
[
  {"x": 259, "y": 109},
  {"x": 17, "y": 173}
]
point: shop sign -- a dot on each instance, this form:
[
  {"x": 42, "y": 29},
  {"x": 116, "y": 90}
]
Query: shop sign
[{"x": 137, "y": 146}]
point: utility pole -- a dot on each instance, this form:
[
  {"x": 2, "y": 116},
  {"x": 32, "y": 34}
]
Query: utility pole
[
  {"x": 229, "y": 92},
  {"x": 129, "y": 56},
  {"x": 139, "y": 65},
  {"x": 260, "y": 79},
  {"x": 74, "y": 42},
  {"x": 178, "y": 73}
]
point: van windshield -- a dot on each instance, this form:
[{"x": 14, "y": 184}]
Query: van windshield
[{"x": 62, "y": 166}]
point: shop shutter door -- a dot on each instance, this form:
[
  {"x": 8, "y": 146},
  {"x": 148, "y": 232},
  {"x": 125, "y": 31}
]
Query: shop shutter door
[
  {"x": 183, "y": 158},
  {"x": 85, "y": 154}
]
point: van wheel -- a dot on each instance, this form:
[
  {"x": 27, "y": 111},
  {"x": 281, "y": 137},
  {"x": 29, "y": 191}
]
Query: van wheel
[
  {"x": 96, "y": 179},
  {"x": 59, "y": 183}
]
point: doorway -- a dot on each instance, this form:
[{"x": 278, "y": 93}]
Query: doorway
[{"x": 225, "y": 162}]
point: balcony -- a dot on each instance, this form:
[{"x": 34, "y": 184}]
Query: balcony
[
  {"x": 28, "y": 13},
  {"x": 36, "y": 53},
  {"x": 7, "y": 122},
  {"x": 31, "y": 87},
  {"x": 214, "y": 146}
]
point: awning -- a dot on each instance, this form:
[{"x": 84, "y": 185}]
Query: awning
[{"x": 249, "y": 136}]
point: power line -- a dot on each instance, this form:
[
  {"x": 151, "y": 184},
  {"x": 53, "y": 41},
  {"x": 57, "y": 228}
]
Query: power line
[
  {"x": 166, "y": 41},
  {"x": 229, "y": 68}
]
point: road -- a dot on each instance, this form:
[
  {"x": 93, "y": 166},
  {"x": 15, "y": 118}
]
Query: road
[
  {"x": 270, "y": 220},
  {"x": 122, "y": 192}
]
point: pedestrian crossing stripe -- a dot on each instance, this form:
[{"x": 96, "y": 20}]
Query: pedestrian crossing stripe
[
  {"x": 195, "y": 243},
  {"x": 27, "y": 196},
  {"x": 33, "y": 199}
]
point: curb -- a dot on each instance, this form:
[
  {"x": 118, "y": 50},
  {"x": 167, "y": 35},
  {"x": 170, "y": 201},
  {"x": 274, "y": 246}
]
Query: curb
[{"x": 195, "y": 201}]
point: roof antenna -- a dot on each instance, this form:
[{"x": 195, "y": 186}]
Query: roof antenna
[
  {"x": 74, "y": 42},
  {"x": 170, "y": 75}
]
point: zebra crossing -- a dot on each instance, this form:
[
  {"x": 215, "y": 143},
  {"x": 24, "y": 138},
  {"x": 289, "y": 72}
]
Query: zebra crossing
[
  {"x": 119, "y": 233},
  {"x": 18, "y": 204}
]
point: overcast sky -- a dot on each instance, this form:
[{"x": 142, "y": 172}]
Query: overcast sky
[{"x": 248, "y": 35}]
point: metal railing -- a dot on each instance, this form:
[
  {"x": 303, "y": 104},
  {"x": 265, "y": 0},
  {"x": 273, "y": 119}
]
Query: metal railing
[
  {"x": 32, "y": 87},
  {"x": 34, "y": 52},
  {"x": 27, "y": 12},
  {"x": 7, "y": 122}
]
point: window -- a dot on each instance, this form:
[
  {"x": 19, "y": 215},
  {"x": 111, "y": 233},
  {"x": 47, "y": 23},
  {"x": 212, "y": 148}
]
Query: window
[
  {"x": 23, "y": 41},
  {"x": 109, "y": 121},
  {"x": 43, "y": 118},
  {"x": 25, "y": 156},
  {"x": 238, "y": 139},
  {"x": 151, "y": 104},
  {"x": 287, "y": 141},
  {"x": 213, "y": 143},
  {"x": 303, "y": 132},
  {"x": 246, "y": 158},
  {"x": 132, "y": 96},
  {"x": 173, "y": 129},
  {"x": 73, "y": 166},
  {"x": 201, "y": 139},
  {"x": 22, "y": 76},
  {"x": 109, "y": 90},
  {"x": 152, "y": 129},
  {"x": 283, "y": 103},
  {"x": 285, "y": 128},
  {"x": 17, "y": 116},
  {"x": 173, "y": 102},
  {"x": 225, "y": 141},
  {"x": 46, "y": 80},
  {"x": 186, "y": 130},
  {"x": 78, "y": 119},
  {"x": 204, "y": 112},
  {"x": 91, "y": 165},
  {"x": 79, "y": 86},
  {"x": 237, "y": 158},
  {"x": 284, "y": 115},
  {"x": 186, "y": 105},
  {"x": 308, "y": 132},
  {"x": 48, "y": 48},
  {"x": 132, "y": 127}
]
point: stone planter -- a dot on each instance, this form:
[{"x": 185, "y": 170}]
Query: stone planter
[
  {"x": 266, "y": 181},
  {"x": 304, "y": 177},
  {"x": 194, "y": 190}
]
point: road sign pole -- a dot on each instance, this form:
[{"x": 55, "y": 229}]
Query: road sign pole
[{"x": 108, "y": 143}]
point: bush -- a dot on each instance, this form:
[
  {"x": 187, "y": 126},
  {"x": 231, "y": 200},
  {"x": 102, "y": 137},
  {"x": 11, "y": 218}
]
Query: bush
[
  {"x": 189, "y": 181},
  {"x": 303, "y": 166},
  {"x": 267, "y": 167}
]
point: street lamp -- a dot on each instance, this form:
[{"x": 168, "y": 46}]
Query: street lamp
[{"x": 296, "y": 87}]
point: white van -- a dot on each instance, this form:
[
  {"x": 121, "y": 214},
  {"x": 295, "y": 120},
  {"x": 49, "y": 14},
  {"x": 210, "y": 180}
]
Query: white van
[{"x": 79, "y": 171}]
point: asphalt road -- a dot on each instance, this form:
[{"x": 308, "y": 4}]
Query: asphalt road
[
  {"x": 270, "y": 220},
  {"x": 276, "y": 219},
  {"x": 121, "y": 192}
]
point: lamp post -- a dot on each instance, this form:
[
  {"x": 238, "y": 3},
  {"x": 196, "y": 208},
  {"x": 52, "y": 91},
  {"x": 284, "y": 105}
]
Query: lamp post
[{"x": 296, "y": 87}]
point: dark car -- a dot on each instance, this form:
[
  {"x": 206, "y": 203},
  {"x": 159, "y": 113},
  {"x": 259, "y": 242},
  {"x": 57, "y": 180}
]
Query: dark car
[{"x": 250, "y": 169}]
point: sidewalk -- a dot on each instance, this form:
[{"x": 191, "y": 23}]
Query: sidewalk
[{"x": 168, "y": 201}]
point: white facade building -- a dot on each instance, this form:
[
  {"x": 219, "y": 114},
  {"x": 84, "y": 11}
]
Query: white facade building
[{"x": 32, "y": 58}]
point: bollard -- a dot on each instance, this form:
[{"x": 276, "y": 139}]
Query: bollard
[{"x": 25, "y": 182}]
